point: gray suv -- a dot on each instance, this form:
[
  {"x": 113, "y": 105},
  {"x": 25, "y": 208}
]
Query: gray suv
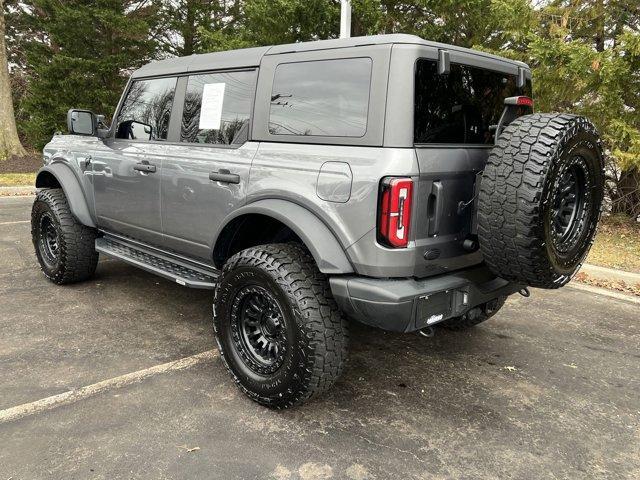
[{"x": 399, "y": 182}]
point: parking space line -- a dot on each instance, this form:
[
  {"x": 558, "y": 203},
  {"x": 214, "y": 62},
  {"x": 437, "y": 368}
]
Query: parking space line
[
  {"x": 72, "y": 396},
  {"x": 15, "y": 223}
]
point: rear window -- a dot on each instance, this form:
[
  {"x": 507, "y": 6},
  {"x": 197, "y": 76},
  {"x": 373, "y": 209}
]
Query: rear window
[
  {"x": 459, "y": 108},
  {"x": 325, "y": 98}
]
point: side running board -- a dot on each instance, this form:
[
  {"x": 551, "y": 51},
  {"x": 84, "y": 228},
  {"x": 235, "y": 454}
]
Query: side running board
[{"x": 179, "y": 269}]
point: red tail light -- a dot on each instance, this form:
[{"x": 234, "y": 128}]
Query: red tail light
[
  {"x": 521, "y": 101},
  {"x": 395, "y": 211},
  {"x": 526, "y": 101}
]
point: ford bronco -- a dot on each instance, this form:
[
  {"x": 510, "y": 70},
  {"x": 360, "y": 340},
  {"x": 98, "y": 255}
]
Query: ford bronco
[{"x": 391, "y": 180}]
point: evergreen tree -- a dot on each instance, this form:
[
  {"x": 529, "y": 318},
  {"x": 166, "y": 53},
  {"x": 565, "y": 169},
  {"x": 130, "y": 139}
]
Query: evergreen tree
[
  {"x": 586, "y": 60},
  {"x": 269, "y": 22},
  {"x": 250, "y": 23},
  {"x": 186, "y": 27},
  {"x": 78, "y": 54}
]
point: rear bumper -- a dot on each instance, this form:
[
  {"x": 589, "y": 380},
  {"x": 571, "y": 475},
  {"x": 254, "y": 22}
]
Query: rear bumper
[{"x": 406, "y": 305}]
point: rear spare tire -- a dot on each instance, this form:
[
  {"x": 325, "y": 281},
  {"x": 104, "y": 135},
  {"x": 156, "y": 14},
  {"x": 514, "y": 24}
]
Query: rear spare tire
[{"x": 540, "y": 199}]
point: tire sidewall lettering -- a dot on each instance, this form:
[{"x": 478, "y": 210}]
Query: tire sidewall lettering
[
  {"x": 263, "y": 385},
  {"x": 577, "y": 143}
]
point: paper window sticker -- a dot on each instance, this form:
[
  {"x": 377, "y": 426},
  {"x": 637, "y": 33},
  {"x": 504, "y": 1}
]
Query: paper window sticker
[{"x": 211, "y": 108}]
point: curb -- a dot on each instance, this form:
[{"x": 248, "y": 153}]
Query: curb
[
  {"x": 16, "y": 191},
  {"x": 605, "y": 292},
  {"x": 609, "y": 274}
]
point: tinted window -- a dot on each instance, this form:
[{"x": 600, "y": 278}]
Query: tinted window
[
  {"x": 224, "y": 119},
  {"x": 328, "y": 98},
  {"x": 461, "y": 106},
  {"x": 146, "y": 110}
]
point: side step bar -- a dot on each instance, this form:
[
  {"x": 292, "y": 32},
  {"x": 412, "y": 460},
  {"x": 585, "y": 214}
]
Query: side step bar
[{"x": 179, "y": 269}]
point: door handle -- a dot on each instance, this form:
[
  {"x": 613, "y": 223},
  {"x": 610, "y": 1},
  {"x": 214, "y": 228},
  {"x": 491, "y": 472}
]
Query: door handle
[
  {"x": 223, "y": 175},
  {"x": 144, "y": 167},
  {"x": 435, "y": 207}
]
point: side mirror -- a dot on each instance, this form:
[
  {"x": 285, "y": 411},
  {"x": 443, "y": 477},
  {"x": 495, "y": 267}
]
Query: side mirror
[
  {"x": 140, "y": 131},
  {"x": 81, "y": 122},
  {"x": 103, "y": 130},
  {"x": 132, "y": 130}
]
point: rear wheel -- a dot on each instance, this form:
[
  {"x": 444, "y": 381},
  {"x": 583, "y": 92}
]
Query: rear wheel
[
  {"x": 278, "y": 329},
  {"x": 540, "y": 199},
  {"x": 65, "y": 248}
]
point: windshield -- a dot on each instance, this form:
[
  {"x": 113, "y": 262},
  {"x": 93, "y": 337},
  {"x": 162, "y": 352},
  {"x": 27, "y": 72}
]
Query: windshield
[{"x": 460, "y": 107}]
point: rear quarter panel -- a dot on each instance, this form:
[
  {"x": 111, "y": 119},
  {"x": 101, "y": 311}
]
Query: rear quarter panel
[{"x": 290, "y": 172}]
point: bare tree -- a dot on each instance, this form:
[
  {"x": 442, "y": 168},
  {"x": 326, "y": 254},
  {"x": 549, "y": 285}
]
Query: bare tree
[{"x": 9, "y": 141}]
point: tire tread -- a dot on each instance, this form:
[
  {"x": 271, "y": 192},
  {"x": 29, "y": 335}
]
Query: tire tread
[
  {"x": 323, "y": 325},
  {"x": 78, "y": 256},
  {"x": 510, "y": 210}
]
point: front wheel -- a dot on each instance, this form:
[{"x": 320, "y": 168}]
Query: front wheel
[
  {"x": 279, "y": 331},
  {"x": 65, "y": 248}
]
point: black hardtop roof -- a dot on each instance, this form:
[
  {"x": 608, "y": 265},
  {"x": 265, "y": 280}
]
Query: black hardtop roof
[{"x": 251, "y": 57}]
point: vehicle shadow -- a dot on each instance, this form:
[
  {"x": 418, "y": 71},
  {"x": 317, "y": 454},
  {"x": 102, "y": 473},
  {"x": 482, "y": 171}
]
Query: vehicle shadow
[{"x": 382, "y": 367}]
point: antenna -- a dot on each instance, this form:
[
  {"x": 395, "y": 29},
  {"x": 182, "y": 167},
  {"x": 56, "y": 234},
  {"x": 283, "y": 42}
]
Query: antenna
[{"x": 345, "y": 18}]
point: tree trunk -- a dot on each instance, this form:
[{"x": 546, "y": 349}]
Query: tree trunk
[
  {"x": 599, "y": 24},
  {"x": 9, "y": 141},
  {"x": 189, "y": 29},
  {"x": 627, "y": 198}
]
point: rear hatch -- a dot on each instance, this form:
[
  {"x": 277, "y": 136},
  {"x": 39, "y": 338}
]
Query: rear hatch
[{"x": 454, "y": 123}]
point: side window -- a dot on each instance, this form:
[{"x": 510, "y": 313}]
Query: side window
[
  {"x": 146, "y": 110},
  {"x": 326, "y": 98},
  {"x": 217, "y": 108}
]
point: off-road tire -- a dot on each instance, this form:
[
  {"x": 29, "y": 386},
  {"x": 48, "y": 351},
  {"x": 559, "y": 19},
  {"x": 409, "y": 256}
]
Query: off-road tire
[
  {"x": 315, "y": 330},
  {"x": 76, "y": 258},
  {"x": 475, "y": 315},
  {"x": 523, "y": 189}
]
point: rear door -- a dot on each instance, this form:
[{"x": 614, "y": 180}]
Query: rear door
[
  {"x": 206, "y": 168},
  {"x": 455, "y": 115},
  {"x": 126, "y": 167}
]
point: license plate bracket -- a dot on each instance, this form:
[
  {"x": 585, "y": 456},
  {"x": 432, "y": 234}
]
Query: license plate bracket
[{"x": 434, "y": 308}]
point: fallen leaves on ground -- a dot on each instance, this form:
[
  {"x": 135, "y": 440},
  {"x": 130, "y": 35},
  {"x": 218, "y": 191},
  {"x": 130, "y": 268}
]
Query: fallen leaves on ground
[
  {"x": 617, "y": 244},
  {"x": 617, "y": 285}
]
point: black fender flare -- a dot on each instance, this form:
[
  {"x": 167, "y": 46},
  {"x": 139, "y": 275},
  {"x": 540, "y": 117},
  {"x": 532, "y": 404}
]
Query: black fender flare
[
  {"x": 71, "y": 188},
  {"x": 317, "y": 237}
]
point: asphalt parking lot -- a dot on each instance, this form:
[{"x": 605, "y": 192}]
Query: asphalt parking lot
[{"x": 550, "y": 388}]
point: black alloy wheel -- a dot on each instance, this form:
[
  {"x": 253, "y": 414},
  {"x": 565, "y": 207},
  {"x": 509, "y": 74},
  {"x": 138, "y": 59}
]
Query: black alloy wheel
[
  {"x": 570, "y": 205},
  {"x": 259, "y": 329},
  {"x": 48, "y": 241}
]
